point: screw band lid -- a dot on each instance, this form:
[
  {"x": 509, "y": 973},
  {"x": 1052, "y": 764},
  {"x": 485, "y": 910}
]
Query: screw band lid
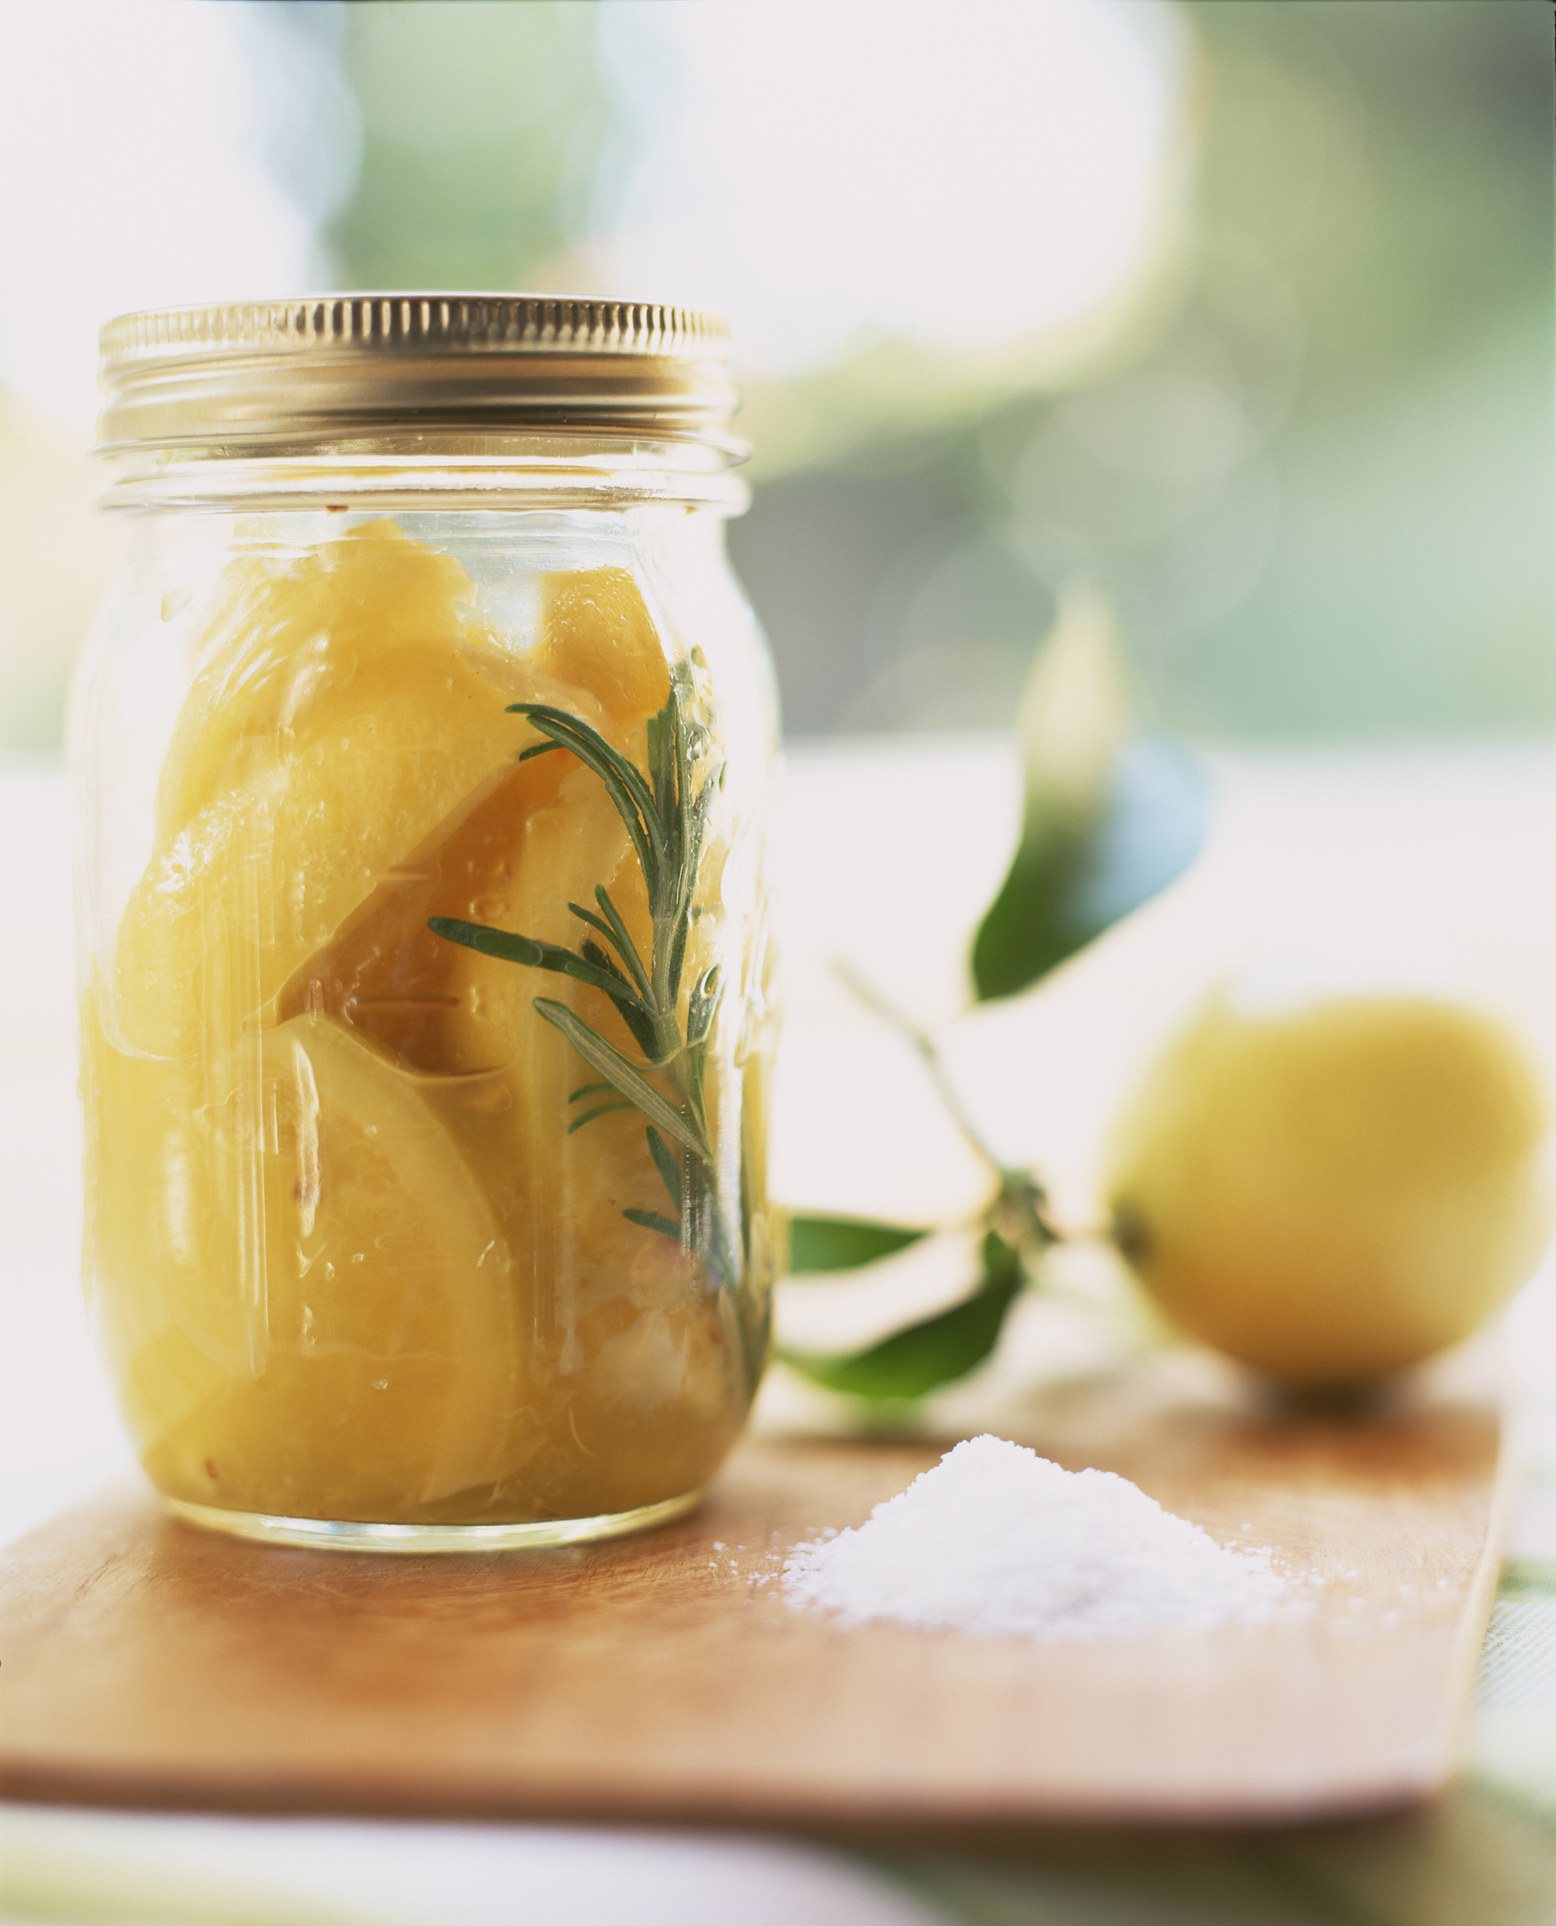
[{"x": 368, "y": 369}]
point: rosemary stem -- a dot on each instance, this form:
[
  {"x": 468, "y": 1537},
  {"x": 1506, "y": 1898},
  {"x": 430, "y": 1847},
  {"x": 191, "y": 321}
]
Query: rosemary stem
[{"x": 666, "y": 822}]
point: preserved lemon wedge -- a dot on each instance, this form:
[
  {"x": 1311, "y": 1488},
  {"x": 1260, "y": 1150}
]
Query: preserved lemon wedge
[
  {"x": 174, "y": 1328},
  {"x": 350, "y": 1352},
  {"x": 287, "y": 647},
  {"x": 596, "y": 634},
  {"x": 288, "y": 805}
]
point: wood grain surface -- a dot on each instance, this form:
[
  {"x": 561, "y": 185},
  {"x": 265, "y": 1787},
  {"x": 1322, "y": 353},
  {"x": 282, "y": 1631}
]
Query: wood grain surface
[{"x": 663, "y": 1678}]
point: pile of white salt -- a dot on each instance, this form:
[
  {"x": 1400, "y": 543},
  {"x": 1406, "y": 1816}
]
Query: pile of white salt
[{"x": 999, "y": 1542}]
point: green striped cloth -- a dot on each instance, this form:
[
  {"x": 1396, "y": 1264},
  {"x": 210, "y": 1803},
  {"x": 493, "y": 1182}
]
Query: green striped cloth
[{"x": 1484, "y": 1855}]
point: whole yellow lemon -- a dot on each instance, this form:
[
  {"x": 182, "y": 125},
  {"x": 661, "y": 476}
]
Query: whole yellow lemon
[{"x": 1335, "y": 1189}]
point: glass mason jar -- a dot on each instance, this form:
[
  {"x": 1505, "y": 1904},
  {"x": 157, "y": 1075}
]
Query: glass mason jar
[{"x": 423, "y": 751}]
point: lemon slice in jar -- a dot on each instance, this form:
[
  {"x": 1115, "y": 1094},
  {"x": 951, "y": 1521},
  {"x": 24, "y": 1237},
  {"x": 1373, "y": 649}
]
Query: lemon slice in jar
[
  {"x": 313, "y": 757},
  {"x": 373, "y": 1287},
  {"x": 289, "y": 644}
]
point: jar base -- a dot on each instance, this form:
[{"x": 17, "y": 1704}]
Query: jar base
[{"x": 328, "y": 1534}]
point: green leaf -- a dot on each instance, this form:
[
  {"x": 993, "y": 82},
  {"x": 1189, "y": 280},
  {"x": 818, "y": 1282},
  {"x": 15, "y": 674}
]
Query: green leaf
[
  {"x": 842, "y": 1243},
  {"x": 624, "y": 1075},
  {"x": 921, "y": 1357},
  {"x": 1111, "y": 818}
]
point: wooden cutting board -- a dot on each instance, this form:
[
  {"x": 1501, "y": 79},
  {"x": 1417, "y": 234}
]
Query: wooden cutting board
[{"x": 659, "y": 1679}]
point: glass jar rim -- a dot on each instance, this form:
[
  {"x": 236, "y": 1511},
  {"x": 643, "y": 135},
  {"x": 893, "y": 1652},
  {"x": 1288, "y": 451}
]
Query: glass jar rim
[{"x": 251, "y": 378}]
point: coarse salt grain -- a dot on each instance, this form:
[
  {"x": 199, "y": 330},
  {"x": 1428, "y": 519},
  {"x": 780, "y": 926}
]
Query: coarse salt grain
[{"x": 996, "y": 1541}]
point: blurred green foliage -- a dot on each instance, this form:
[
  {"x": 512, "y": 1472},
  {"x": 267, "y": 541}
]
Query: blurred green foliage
[
  {"x": 1316, "y": 481},
  {"x": 1109, "y": 817},
  {"x": 481, "y": 126},
  {"x": 1394, "y": 161},
  {"x": 1320, "y": 496}
]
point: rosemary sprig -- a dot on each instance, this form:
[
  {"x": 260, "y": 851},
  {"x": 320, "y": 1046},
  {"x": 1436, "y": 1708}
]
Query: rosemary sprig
[{"x": 665, "y": 808}]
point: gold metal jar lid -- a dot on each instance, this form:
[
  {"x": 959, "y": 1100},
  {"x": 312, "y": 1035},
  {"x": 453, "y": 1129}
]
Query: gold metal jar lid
[{"x": 370, "y": 369}]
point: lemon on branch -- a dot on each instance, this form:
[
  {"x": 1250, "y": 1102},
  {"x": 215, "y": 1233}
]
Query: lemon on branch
[{"x": 1335, "y": 1189}]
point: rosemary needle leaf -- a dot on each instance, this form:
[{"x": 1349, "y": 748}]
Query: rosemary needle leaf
[
  {"x": 669, "y": 1167},
  {"x": 602, "y": 960},
  {"x": 586, "y": 1090},
  {"x": 599, "y": 1110},
  {"x": 622, "y": 1074},
  {"x": 595, "y": 922},
  {"x": 572, "y": 732},
  {"x": 651, "y": 1220},
  {"x": 628, "y": 791},
  {"x": 630, "y": 1008},
  {"x": 524, "y": 949},
  {"x": 621, "y": 937},
  {"x": 702, "y": 1005},
  {"x": 611, "y": 927},
  {"x": 683, "y": 929},
  {"x": 923, "y": 1356}
]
